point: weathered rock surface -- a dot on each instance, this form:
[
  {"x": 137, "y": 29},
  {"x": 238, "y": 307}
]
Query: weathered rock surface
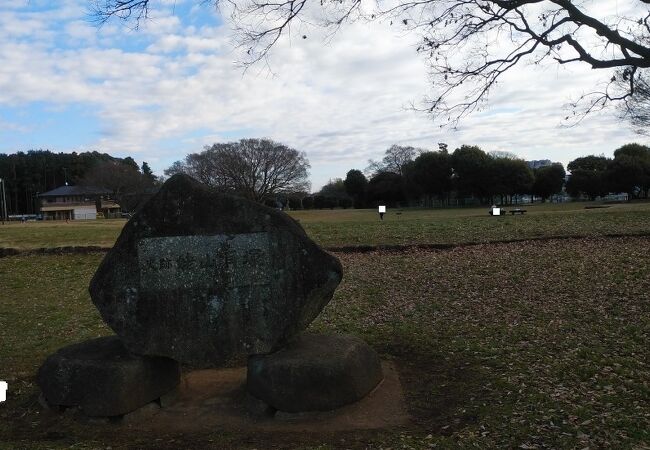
[
  {"x": 315, "y": 372},
  {"x": 102, "y": 378},
  {"x": 200, "y": 277}
]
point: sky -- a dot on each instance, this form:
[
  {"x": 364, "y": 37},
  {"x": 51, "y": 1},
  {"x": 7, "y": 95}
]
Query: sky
[{"x": 175, "y": 85}]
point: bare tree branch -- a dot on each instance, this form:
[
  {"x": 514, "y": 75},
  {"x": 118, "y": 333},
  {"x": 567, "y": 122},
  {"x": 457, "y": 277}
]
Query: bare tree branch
[
  {"x": 126, "y": 10},
  {"x": 468, "y": 44}
]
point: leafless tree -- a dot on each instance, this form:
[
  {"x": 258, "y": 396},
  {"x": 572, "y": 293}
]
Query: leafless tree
[
  {"x": 257, "y": 169},
  {"x": 394, "y": 160},
  {"x": 469, "y": 44},
  {"x": 636, "y": 107}
]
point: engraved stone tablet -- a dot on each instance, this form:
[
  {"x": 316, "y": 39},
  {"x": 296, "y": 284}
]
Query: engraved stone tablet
[
  {"x": 205, "y": 261},
  {"x": 200, "y": 277}
]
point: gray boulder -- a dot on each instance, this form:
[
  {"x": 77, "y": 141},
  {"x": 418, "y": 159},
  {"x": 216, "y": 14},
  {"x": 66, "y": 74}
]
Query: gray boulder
[
  {"x": 200, "y": 277},
  {"x": 102, "y": 378},
  {"x": 315, "y": 372}
]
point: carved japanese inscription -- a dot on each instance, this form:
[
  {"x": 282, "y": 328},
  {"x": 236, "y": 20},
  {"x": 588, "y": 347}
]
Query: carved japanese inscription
[{"x": 221, "y": 261}]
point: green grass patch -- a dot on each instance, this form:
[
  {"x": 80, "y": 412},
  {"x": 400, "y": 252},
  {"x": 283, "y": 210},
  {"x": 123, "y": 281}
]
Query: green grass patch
[
  {"x": 457, "y": 226},
  {"x": 519, "y": 345},
  {"x": 45, "y": 305},
  {"x": 48, "y": 234},
  {"x": 337, "y": 228}
]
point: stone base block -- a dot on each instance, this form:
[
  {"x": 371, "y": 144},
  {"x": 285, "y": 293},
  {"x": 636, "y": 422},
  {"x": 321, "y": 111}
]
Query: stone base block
[
  {"x": 103, "y": 379},
  {"x": 315, "y": 372}
]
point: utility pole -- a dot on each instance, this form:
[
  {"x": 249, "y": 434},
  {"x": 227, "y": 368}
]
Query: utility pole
[{"x": 4, "y": 200}]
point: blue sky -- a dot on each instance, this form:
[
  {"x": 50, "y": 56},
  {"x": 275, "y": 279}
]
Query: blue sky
[{"x": 173, "y": 86}]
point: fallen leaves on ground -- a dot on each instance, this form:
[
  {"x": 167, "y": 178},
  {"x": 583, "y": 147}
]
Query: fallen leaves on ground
[{"x": 533, "y": 344}]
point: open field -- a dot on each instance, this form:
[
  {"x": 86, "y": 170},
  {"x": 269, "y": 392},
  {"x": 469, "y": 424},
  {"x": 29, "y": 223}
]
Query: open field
[
  {"x": 454, "y": 226},
  {"x": 519, "y": 345},
  {"x": 337, "y": 228},
  {"x": 537, "y": 344},
  {"x": 59, "y": 233}
]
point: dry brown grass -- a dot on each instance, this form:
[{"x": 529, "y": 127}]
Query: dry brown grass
[{"x": 519, "y": 345}]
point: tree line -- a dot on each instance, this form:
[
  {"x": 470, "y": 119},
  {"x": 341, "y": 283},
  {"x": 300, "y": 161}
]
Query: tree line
[
  {"x": 595, "y": 176},
  {"x": 410, "y": 176},
  {"x": 28, "y": 174},
  {"x": 272, "y": 173}
]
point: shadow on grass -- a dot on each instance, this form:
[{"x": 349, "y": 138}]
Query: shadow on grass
[
  {"x": 440, "y": 389},
  {"x": 437, "y": 387}
]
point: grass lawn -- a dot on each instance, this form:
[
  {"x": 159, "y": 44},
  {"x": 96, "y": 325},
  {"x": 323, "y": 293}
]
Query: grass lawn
[
  {"x": 337, "y": 228},
  {"x": 59, "y": 233},
  {"x": 537, "y": 344},
  {"x": 514, "y": 345}
]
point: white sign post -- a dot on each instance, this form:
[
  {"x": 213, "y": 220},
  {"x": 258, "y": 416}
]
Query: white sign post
[
  {"x": 3, "y": 391},
  {"x": 382, "y": 209}
]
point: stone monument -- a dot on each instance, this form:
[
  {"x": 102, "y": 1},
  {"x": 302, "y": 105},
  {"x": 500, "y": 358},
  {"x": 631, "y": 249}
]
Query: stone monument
[
  {"x": 200, "y": 277},
  {"x": 197, "y": 277}
]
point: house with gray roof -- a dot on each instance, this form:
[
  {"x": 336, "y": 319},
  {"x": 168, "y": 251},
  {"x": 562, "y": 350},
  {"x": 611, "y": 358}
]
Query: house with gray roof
[{"x": 78, "y": 203}]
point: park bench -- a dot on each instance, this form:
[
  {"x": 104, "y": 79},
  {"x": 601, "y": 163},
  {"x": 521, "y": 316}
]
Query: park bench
[{"x": 517, "y": 211}]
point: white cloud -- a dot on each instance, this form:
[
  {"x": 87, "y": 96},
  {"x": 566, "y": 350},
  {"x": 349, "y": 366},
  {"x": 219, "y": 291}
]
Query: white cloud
[{"x": 343, "y": 101}]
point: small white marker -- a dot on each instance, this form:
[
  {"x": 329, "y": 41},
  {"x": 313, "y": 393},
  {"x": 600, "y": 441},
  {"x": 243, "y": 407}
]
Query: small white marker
[{"x": 3, "y": 391}]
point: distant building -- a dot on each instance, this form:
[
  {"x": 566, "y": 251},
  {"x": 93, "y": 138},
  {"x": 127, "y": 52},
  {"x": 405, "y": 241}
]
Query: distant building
[
  {"x": 78, "y": 202},
  {"x": 536, "y": 164}
]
